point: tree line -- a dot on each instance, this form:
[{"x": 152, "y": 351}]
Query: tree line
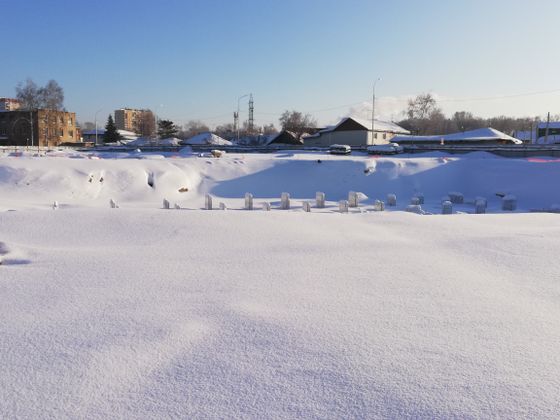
[{"x": 424, "y": 117}]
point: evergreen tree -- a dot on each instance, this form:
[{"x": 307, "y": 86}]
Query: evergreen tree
[
  {"x": 166, "y": 129},
  {"x": 111, "y": 133}
]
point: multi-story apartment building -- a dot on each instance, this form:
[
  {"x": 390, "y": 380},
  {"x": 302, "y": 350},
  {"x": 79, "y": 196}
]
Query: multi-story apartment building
[
  {"x": 9, "y": 104},
  {"x": 41, "y": 127},
  {"x": 139, "y": 121}
]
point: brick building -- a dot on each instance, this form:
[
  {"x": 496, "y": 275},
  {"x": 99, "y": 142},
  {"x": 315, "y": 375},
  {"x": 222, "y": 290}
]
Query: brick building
[
  {"x": 50, "y": 128},
  {"x": 9, "y": 104},
  {"x": 139, "y": 121}
]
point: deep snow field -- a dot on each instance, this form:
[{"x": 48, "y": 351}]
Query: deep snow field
[{"x": 141, "y": 312}]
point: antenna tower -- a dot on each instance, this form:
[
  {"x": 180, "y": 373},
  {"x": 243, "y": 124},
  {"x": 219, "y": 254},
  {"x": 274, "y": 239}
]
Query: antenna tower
[{"x": 251, "y": 119}]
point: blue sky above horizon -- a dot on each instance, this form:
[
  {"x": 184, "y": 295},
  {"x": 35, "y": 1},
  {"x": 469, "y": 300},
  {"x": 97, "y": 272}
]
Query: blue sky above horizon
[{"x": 193, "y": 59}]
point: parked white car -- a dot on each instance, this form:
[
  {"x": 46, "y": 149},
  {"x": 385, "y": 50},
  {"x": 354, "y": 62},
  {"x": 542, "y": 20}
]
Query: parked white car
[
  {"x": 340, "y": 149},
  {"x": 385, "y": 149}
]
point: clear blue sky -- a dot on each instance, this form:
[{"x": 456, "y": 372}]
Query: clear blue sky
[{"x": 193, "y": 59}]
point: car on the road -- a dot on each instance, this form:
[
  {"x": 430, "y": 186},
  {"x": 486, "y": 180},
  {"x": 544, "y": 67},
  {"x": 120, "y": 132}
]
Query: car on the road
[
  {"x": 340, "y": 149},
  {"x": 385, "y": 149}
]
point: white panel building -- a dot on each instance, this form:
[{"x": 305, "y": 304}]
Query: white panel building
[{"x": 355, "y": 132}]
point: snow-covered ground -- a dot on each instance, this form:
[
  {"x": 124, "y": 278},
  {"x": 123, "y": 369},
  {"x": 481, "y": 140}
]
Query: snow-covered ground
[{"x": 140, "y": 312}]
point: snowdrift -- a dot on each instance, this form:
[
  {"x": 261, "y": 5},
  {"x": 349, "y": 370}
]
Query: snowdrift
[
  {"x": 207, "y": 139},
  {"x": 90, "y": 180}
]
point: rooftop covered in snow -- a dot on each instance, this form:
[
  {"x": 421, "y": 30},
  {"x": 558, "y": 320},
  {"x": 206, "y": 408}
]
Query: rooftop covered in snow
[
  {"x": 207, "y": 138},
  {"x": 471, "y": 136}
]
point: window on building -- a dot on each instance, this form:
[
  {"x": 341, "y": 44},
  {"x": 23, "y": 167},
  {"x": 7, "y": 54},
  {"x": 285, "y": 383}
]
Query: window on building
[
  {"x": 384, "y": 136},
  {"x": 61, "y": 132},
  {"x": 375, "y": 135},
  {"x": 71, "y": 133}
]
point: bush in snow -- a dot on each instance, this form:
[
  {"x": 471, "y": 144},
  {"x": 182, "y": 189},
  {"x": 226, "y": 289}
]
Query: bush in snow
[
  {"x": 177, "y": 206},
  {"x": 343, "y": 206},
  {"x": 166, "y": 204},
  {"x": 208, "y": 202},
  {"x": 266, "y": 206},
  {"x": 55, "y": 205},
  {"x": 415, "y": 201},
  {"x": 222, "y": 206},
  {"x": 391, "y": 200},
  {"x": 306, "y": 206},
  {"x": 447, "y": 207},
  {"x": 509, "y": 202}
]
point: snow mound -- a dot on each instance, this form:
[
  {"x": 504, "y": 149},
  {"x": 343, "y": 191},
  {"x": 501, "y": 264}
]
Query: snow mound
[{"x": 207, "y": 138}]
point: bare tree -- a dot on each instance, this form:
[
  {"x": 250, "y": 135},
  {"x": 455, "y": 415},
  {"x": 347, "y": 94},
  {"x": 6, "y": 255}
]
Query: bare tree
[
  {"x": 227, "y": 131},
  {"x": 29, "y": 95},
  {"x": 269, "y": 129},
  {"x": 424, "y": 116},
  {"x": 297, "y": 122},
  {"x": 422, "y": 107},
  {"x": 192, "y": 128},
  {"x": 52, "y": 96},
  {"x": 49, "y": 98}
]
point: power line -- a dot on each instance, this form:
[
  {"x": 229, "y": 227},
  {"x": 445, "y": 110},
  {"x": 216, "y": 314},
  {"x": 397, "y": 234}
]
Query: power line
[{"x": 491, "y": 98}]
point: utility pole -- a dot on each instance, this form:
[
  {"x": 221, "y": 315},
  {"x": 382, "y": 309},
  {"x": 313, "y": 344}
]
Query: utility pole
[
  {"x": 95, "y": 118},
  {"x": 31, "y": 124},
  {"x": 546, "y": 131},
  {"x": 373, "y": 112},
  {"x": 238, "y": 101}
]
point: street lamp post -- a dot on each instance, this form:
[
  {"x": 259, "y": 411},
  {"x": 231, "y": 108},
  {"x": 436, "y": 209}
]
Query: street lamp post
[
  {"x": 96, "y": 112},
  {"x": 31, "y": 127},
  {"x": 373, "y": 112},
  {"x": 238, "y": 101}
]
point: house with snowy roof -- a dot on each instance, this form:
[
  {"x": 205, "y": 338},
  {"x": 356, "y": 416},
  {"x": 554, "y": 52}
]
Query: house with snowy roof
[
  {"x": 206, "y": 138},
  {"x": 355, "y": 132},
  {"x": 284, "y": 137},
  {"x": 480, "y": 136}
]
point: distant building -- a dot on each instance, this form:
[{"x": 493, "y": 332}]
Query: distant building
[
  {"x": 480, "y": 136},
  {"x": 140, "y": 121},
  {"x": 547, "y": 133},
  {"x": 9, "y": 104},
  {"x": 90, "y": 135},
  {"x": 284, "y": 137},
  {"x": 355, "y": 132},
  {"x": 50, "y": 128}
]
